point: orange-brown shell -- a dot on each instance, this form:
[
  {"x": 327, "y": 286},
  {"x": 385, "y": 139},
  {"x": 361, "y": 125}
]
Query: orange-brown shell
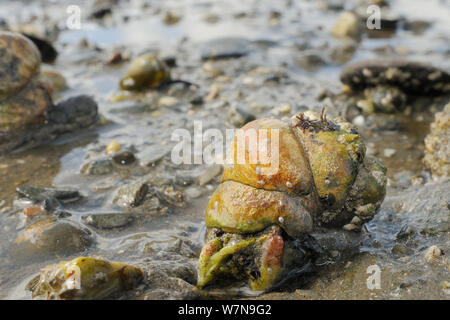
[
  {"x": 269, "y": 182},
  {"x": 315, "y": 170},
  {"x": 291, "y": 174},
  {"x": 239, "y": 208}
]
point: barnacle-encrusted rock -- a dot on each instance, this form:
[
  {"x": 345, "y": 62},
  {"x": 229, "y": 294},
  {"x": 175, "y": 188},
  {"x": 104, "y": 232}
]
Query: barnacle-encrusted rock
[
  {"x": 409, "y": 76},
  {"x": 437, "y": 144},
  {"x": 50, "y": 238},
  {"x": 259, "y": 217},
  {"x": 145, "y": 72},
  {"x": 386, "y": 99}
]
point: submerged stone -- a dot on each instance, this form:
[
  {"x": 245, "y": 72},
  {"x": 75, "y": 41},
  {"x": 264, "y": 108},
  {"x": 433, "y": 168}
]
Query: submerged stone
[
  {"x": 38, "y": 194},
  {"x": 132, "y": 195},
  {"x": 98, "y": 167},
  {"x": 225, "y": 48},
  {"x": 50, "y": 238},
  {"x": 108, "y": 220}
]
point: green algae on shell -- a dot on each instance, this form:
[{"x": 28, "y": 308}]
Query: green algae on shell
[
  {"x": 366, "y": 195},
  {"x": 334, "y": 153},
  {"x": 84, "y": 278},
  {"x": 262, "y": 259},
  {"x": 145, "y": 72},
  {"x": 239, "y": 208}
]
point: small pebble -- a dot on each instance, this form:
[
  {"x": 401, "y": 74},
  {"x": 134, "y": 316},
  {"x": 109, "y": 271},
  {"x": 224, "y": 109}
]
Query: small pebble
[
  {"x": 209, "y": 174},
  {"x": 350, "y": 227},
  {"x": 284, "y": 108},
  {"x": 356, "y": 220},
  {"x": 54, "y": 80},
  {"x": 359, "y": 121},
  {"x": 193, "y": 192},
  {"x": 170, "y": 18},
  {"x": 445, "y": 285},
  {"x": 33, "y": 211},
  {"x": 347, "y": 26},
  {"x": 115, "y": 58},
  {"x": 334, "y": 253},
  {"x": 346, "y": 89},
  {"x": 432, "y": 253},
  {"x": 167, "y": 101},
  {"x": 124, "y": 158},
  {"x": 131, "y": 195},
  {"x": 211, "y": 18},
  {"x": 112, "y": 147},
  {"x": 389, "y": 152},
  {"x": 214, "y": 92},
  {"x": 212, "y": 70},
  {"x": 417, "y": 180},
  {"x": 399, "y": 249}
]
